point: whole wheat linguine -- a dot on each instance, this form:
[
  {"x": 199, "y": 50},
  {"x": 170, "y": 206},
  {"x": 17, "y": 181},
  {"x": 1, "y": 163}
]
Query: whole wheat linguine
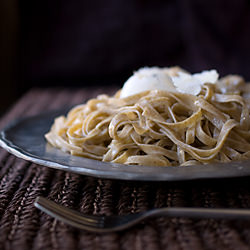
[{"x": 160, "y": 128}]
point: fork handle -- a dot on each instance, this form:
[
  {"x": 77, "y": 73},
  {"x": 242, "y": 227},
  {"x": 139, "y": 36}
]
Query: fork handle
[{"x": 208, "y": 213}]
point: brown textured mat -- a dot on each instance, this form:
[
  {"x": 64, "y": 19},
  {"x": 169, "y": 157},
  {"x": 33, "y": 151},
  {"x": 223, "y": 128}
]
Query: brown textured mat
[{"x": 22, "y": 226}]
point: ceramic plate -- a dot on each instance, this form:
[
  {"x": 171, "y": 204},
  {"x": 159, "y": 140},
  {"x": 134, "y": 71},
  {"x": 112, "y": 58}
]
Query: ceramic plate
[{"x": 25, "y": 139}]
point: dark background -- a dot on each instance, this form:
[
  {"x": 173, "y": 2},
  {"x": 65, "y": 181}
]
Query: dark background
[{"x": 81, "y": 43}]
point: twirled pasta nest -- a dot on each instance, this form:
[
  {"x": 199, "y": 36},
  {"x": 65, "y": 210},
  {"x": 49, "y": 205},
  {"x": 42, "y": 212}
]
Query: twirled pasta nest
[{"x": 160, "y": 128}]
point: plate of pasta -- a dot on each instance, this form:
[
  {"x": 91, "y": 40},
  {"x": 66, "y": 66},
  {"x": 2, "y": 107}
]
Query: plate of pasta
[{"x": 165, "y": 124}]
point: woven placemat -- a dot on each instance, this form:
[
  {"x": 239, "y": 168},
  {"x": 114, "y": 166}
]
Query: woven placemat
[{"x": 22, "y": 226}]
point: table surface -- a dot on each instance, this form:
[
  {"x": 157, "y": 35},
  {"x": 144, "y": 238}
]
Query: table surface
[{"x": 22, "y": 226}]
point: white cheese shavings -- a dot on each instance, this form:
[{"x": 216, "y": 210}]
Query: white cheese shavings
[
  {"x": 192, "y": 84},
  {"x": 207, "y": 76},
  {"x": 147, "y": 79},
  {"x": 156, "y": 78},
  {"x": 187, "y": 84}
]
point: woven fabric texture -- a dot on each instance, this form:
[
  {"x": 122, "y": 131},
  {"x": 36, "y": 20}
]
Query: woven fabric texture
[{"x": 22, "y": 226}]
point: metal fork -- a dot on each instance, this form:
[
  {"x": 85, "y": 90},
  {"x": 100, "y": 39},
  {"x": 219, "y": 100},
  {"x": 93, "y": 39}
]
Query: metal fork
[{"x": 105, "y": 224}]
